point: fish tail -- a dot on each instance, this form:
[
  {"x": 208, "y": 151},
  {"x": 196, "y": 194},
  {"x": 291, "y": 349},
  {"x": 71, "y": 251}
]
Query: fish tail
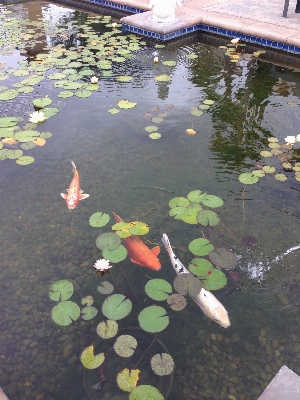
[
  {"x": 73, "y": 165},
  {"x": 117, "y": 218}
]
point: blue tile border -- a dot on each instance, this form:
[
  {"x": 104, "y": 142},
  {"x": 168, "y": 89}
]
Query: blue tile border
[{"x": 194, "y": 28}]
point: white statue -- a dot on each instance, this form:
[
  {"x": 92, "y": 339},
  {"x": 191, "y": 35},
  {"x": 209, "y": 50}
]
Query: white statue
[{"x": 164, "y": 10}]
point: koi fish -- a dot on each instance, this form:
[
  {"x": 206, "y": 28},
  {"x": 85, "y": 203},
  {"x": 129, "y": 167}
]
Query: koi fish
[
  {"x": 74, "y": 192},
  {"x": 139, "y": 253},
  {"x": 208, "y": 303}
]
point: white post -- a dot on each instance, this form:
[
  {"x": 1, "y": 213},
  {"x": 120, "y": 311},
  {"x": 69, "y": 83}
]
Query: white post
[{"x": 164, "y": 10}]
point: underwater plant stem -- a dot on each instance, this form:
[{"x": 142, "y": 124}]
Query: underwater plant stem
[{"x": 145, "y": 352}]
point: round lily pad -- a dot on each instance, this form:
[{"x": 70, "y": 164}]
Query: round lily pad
[
  {"x": 212, "y": 201},
  {"x": 153, "y": 319},
  {"x": 61, "y": 290},
  {"x": 127, "y": 379},
  {"x": 56, "y": 75},
  {"x": 151, "y": 128},
  {"x": 176, "y": 301},
  {"x": 89, "y": 360},
  {"x": 162, "y": 364},
  {"x": 163, "y": 78},
  {"x": 25, "y": 160},
  {"x": 215, "y": 280},
  {"x": 155, "y": 135},
  {"x": 143, "y": 392},
  {"x": 138, "y": 228},
  {"x": 197, "y": 113},
  {"x": 83, "y": 93},
  {"x": 108, "y": 239},
  {"x": 268, "y": 170},
  {"x": 187, "y": 284},
  {"x": 169, "y": 63},
  {"x": 178, "y": 212},
  {"x": 116, "y": 307},
  {"x": 65, "y": 312},
  {"x": 105, "y": 287},
  {"x": 9, "y": 94},
  {"x": 273, "y": 139},
  {"x": 200, "y": 267},
  {"x": 89, "y": 312},
  {"x": 50, "y": 111},
  {"x": 88, "y": 300},
  {"x": 247, "y": 178},
  {"x": 195, "y": 196},
  {"x": 125, "y": 345},
  {"x": 115, "y": 255},
  {"x": 126, "y": 104},
  {"x": 26, "y": 136},
  {"x": 258, "y": 172},
  {"x": 179, "y": 202},
  {"x": 200, "y": 247},
  {"x": 191, "y": 131},
  {"x": 223, "y": 258},
  {"x": 265, "y": 153},
  {"x": 124, "y": 78},
  {"x": 158, "y": 289},
  {"x": 99, "y": 219},
  {"x": 107, "y": 329},
  {"x": 113, "y": 111},
  {"x": 6, "y": 122},
  {"x": 157, "y": 120},
  {"x": 209, "y": 102},
  {"x": 208, "y": 218},
  {"x": 191, "y": 56},
  {"x": 42, "y": 102},
  {"x": 281, "y": 177},
  {"x": 65, "y": 94}
]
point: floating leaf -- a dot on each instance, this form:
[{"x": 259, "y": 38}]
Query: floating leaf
[
  {"x": 204, "y": 106},
  {"x": 61, "y": 290},
  {"x": 105, "y": 288},
  {"x": 208, "y": 218},
  {"x": 191, "y": 56},
  {"x": 209, "y": 102},
  {"x": 125, "y": 345},
  {"x": 56, "y": 75},
  {"x": 215, "y": 281},
  {"x": 143, "y": 392},
  {"x": 83, "y": 93},
  {"x": 127, "y": 380},
  {"x": 26, "y": 136},
  {"x": 126, "y": 104},
  {"x": 116, "y": 307},
  {"x": 10, "y": 141},
  {"x": 177, "y": 301},
  {"x": 169, "y": 63},
  {"x": 223, "y": 258},
  {"x": 162, "y": 78},
  {"x": 273, "y": 140},
  {"x": 179, "y": 202},
  {"x": 281, "y": 177},
  {"x": 42, "y": 102},
  {"x": 108, "y": 239},
  {"x": 65, "y": 312},
  {"x": 50, "y": 111},
  {"x": 274, "y": 145},
  {"x": 115, "y": 255},
  {"x": 89, "y": 360},
  {"x": 162, "y": 364},
  {"x": 151, "y": 128},
  {"x": 258, "y": 172},
  {"x": 212, "y": 201},
  {"x": 195, "y": 196},
  {"x": 197, "y": 113},
  {"x": 113, "y": 111},
  {"x": 138, "y": 228},
  {"x": 6, "y": 122},
  {"x": 158, "y": 289},
  {"x": 157, "y": 120},
  {"x": 265, "y": 153},
  {"x": 268, "y": 170},
  {"x": 88, "y": 300},
  {"x": 247, "y": 178},
  {"x": 124, "y": 78},
  {"x": 153, "y": 319},
  {"x": 65, "y": 94},
  {"x": 155, "y": 135},
  {"x": 99, "y": 219},
  {"x": 191, "y": 131},
  {"x": 9, "y": 94},
  {"x": 200, "y": 247},
  {"x": 25, "y": 160},
  {"x": 89, "y": 312},
  {"x": 200, "y": 267},
  {"x": 187, "y": 284},
  {"x": 107, "y": 329}
]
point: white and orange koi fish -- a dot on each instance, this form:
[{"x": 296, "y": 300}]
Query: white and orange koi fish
[{"x": 74, "y": 194}]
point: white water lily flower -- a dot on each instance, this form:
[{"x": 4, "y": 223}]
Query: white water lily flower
[
  {"x": 102, "y": 265},
  {"x": 94, "y": 79},
  {"x": 37, "y": 116},
  {"x": 290, "y": 139},
  {"x": 235, "y": 40},
  {"x": 155, "y": 59},
  {"x": 114, "y": 25}
]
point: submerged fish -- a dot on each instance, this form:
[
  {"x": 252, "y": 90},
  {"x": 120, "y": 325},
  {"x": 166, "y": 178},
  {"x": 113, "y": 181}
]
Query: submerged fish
[
  {"x": 74, "y": 194},
  {"x": 208, "y": 303},
  {"x": 139, "y": 253}
]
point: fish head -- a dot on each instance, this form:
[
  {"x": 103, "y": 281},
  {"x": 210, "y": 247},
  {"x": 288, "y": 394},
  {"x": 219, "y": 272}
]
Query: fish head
[
  {"x": 72, "y": 202},
  {"x": 213, "y": 309}
]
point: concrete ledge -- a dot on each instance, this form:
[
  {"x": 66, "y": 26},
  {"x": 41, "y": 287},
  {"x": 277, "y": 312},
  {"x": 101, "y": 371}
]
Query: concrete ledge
[
  {"x": 3, "y": 395},
  {"x": 284, "y": 386}
]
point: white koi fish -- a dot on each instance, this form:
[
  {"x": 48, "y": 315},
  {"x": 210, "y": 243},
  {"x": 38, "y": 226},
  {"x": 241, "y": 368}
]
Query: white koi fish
[{"x": 208, "y": 303}]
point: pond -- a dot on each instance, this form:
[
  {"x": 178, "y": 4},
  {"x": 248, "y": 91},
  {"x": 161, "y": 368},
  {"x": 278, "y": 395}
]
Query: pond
[{"x": 217, "y": 115}]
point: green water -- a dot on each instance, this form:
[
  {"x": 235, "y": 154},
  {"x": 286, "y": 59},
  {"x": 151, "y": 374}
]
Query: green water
[{"x": 124, "y": 171}]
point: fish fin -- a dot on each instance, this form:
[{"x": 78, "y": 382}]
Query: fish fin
[
  {"x": 73, "y": 165},
  {"x": 117, "y": 218},
  {"x": 156, "y": 250},
  {"x": 63, "y": 195},
  {"x": 83, "y": 196},
  {"x": 136, "y": 262}
]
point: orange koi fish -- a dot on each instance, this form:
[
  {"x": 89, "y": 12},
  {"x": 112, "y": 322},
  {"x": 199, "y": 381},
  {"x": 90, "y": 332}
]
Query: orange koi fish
[
  {"x": 139, "y": 253},
  {"x": 74, "y": 192}
]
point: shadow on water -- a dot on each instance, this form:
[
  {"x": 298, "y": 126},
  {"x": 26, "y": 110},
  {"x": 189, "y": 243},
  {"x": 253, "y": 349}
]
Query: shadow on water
[{"x": 124, "y": 171}]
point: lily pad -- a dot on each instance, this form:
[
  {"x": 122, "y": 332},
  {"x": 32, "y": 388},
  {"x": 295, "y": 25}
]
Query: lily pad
[
  {"x": 151, "y": 128},
  {"x": 187, "y": 284},
  {"x": 153, "y": 319},
  {"x": 124, "y": 78},
  {"x": 247, "y": 178},
  {"x": 209, "y": 102},
  {"x": 281, "y": 177},
  {"x": 158, "y": 289},
  {"x": 200, "y": 247},
  {"x": 116, "y": 307},
  {"x": 105, "y": 287},
  {"x": 265, "y": 153},
  {"x": 107, "y": 329},
  {"x": 6, "y": 122},
  {"x": 83, "y": 93},
  {"x": 61, "y": 290},
  {"x": 64, "y": 94},
  {"x": 163, "y": 78},
  {"x": 200, "y": 267},
  {"x": 115, "y": 255},
  {"x": 197, "y": 113},
  {"x": 138, "y": 228},
  {"x": 258, "y": 172},
  {"x": 191, "y": 56},
  {"x": 125, "y": 345},
  {"x": 191, "y": 131},
  {"x": 179, "y": 202},
  {"x": 25, "y": 160},
  {"x": 42, "y": 102},
  {"x": 89, "y": 312},
  {"x": 65, "y": 312},
  {"x": 155, "y": 135},
  {"x": 26, "y": 136},
  {"x": 162, "y": 364},
  {"x": 169, "y": 63},
  {"x": 268, "y": 170},
  {"x": 195, "y": 196},
  {"x": 99, "y": 219},
  {"x": 113, "y": 111},
  {"x": 177, "y": 301},
  {"x": 50, "y": 111},
  {"x": 9, "y": 94},
  {"x": 215, "y": 281},
  {"x": 88, "y": 300},
  {"x": 211, "y": 201},
  {"x": 109, "y": 240},
  {"x": 89, "y": 360},
  {"x": 143, "y": 392},
  {"x": 127, "y": 379},
  {"x": 126, "y": 104},
  {"x": 157, "y": 120},
  {"x": 223, "y": 258},
  {"x": 208, "y": 218}
]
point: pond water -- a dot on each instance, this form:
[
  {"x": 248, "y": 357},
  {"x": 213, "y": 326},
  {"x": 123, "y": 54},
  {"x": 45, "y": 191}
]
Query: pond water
[{"x": 126, "y": 172}]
